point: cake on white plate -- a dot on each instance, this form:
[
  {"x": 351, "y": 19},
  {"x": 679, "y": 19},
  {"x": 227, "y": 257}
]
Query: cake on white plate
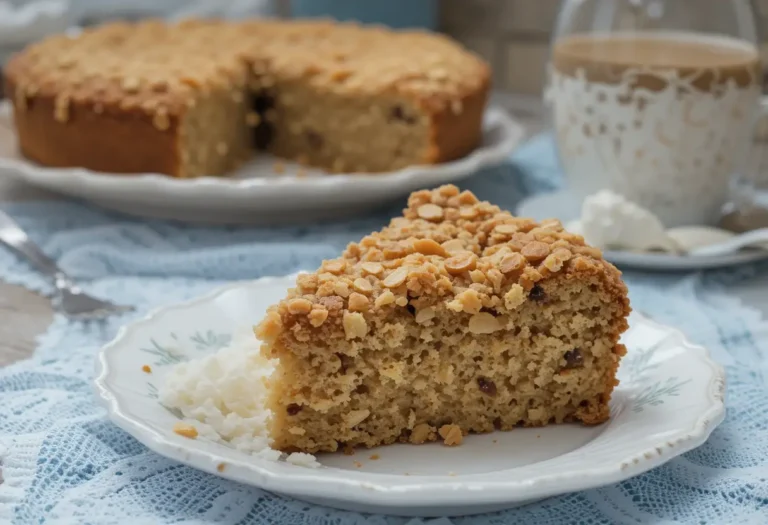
[{"x": 455, "y": 318}]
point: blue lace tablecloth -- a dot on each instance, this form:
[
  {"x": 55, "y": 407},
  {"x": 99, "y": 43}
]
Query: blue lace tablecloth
[{"x": 63, "y": 462}]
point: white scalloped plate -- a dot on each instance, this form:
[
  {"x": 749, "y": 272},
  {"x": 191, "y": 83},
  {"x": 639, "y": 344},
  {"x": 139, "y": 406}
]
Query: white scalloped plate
[
  {"x": 255, "y": 194},
  {"x": 669, "y": 401}
]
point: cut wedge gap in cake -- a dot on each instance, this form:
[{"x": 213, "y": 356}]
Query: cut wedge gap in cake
[{"x": 455, "y": 318}]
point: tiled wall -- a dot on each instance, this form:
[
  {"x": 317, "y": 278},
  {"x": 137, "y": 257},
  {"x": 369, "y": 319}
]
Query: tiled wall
[{"x": 513, "y": 35}]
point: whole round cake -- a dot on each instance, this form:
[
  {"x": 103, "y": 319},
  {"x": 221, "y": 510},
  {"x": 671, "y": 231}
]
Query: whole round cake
[{"x": 201, "y": 97}]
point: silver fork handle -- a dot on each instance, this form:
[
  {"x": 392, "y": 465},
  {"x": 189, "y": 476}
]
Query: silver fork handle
[{"x": 17, "y": 240}]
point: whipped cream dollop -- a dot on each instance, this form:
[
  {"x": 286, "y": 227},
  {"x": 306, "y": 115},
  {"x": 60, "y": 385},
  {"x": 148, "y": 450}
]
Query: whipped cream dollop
[{"x": 609, "y": 221}]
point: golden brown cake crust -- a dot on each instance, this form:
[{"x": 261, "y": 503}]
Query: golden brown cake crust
[
  {"x": 447, "y": 245},
  {"x": 125, "y": 142},
  {"x": 463, "y": 263},
  {"x": 112, "y": 99}
]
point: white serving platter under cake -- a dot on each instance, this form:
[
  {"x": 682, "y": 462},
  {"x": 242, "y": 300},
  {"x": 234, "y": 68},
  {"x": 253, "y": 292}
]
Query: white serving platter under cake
[
  {"x": 256, "y": 193},
  {"x": 669, "y": 401}
]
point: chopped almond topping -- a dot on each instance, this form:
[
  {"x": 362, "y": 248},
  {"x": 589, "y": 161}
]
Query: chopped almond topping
[
  {"x": 358, "y": 302},
  {"x": 535, "y": 251},
  {"x": 396, "y": 278},
  {"x": 318, "y": 316},
  {"x": 341, "y": 289},
  {"x": 454, "y": 245},
  {"x": 354, "y": 325},
  {"x": 461, "y": 263},
  {"x": 184, "y": 429},
  {"x": 422, "y": 433},
  {"x": 299, "y": 306},
  {"x": 467, "y": 197},
  {"x": 429, "y": 247},
  {"x": 430, "y": 212},
  {"x": 425, "y": 314},
  {"x": 451, "y": 435},
  {"x": 507, "y": 229},
  {"x": 514, "y": 297},
  {"x": 363, "y": 285},
  {"x": 483, "y": 323},
  {"x": 512, "y": 263},
  {"x": 372, "y": 268},
  {"x": 334, "y": 267}
]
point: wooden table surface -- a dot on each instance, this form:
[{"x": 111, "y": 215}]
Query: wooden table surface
[{"x": 24, "y": 314}]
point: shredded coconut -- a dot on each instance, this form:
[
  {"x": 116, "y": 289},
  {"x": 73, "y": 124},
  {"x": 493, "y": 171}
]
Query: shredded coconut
[{"x": 222, "y": 395}]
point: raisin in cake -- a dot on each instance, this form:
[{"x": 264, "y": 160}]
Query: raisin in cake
[
  {"x": 455, "y": 318},
  {"x": 200, "y": 97}
]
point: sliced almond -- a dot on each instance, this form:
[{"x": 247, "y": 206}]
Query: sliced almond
[
  {"x": 483, "y": 323},
  {"x": 334, "y": 267},
  {"x": 396, "y": 278},
  {"x": 454, "y": 245},
  {"x": 354, "y": 325},
  {"x": 299, "y": 306},
  {"x": 363, "y": 285},
  {"x": 506, "y": 229},
  {"x": 385, "y": 298},
  {"x": 184, "y": 429},
  {"x": 358, "y": 302},
  {"x": 355, "y": 417},
  {"x": 535, "y": 251},
  {"x": 461, "y": 262},
  {"x": 372, "y": 268},
  {"x": 512, "y": 262},
  {"x": 430, "y": 212},
  {"x": 425, "y": 314},
  {"x": 429, "y": 247}
]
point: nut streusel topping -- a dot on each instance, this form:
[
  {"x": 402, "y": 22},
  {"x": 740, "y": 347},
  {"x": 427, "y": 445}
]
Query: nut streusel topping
[
  {"x": 161, "y": 68},
  {"x": 151, "y": 66},
  {"x": 447, "y": 248}
]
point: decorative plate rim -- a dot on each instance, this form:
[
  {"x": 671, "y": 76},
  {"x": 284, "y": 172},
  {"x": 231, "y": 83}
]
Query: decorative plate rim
[
  {"x": 421, "y": 489},
  {"x": 480, "y": 157}
]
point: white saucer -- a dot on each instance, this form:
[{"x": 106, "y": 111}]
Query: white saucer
[
  {"x": 562, "y": 205},
  {"x": 669, "y": 401}
]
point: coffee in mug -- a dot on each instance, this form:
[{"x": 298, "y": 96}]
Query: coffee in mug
[{"x": 663, "y": 118}]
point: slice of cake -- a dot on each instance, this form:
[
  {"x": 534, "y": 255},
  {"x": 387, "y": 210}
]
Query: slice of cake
[
  {"x": 455, "y": 318},
  {"x": 201, "y": 97}
]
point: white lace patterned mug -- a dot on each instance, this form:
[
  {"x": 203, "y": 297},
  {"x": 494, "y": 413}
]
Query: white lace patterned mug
[{"x": 663, "y": 116}]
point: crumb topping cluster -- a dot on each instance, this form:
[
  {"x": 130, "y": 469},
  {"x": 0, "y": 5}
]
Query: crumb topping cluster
[
  {"x": 448, "y": 250},
  {"x": 350, "y": 58},
  {"x": 151, "y": 66},
  {"x": 161, "y": 68}
]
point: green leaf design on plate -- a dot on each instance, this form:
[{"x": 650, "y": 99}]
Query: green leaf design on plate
[
  {"x": 176, "y": 352},
  {"x": 152, "y": 391},
  {"x": 165, "y": 355},
  {"x": 210, "y": 340},
  {"x": 655, "y": 393},
  {"x": 638, "y": 363}
]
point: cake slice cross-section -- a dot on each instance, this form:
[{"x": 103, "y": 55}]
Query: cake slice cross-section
[{"x": 456, "y": 318}]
